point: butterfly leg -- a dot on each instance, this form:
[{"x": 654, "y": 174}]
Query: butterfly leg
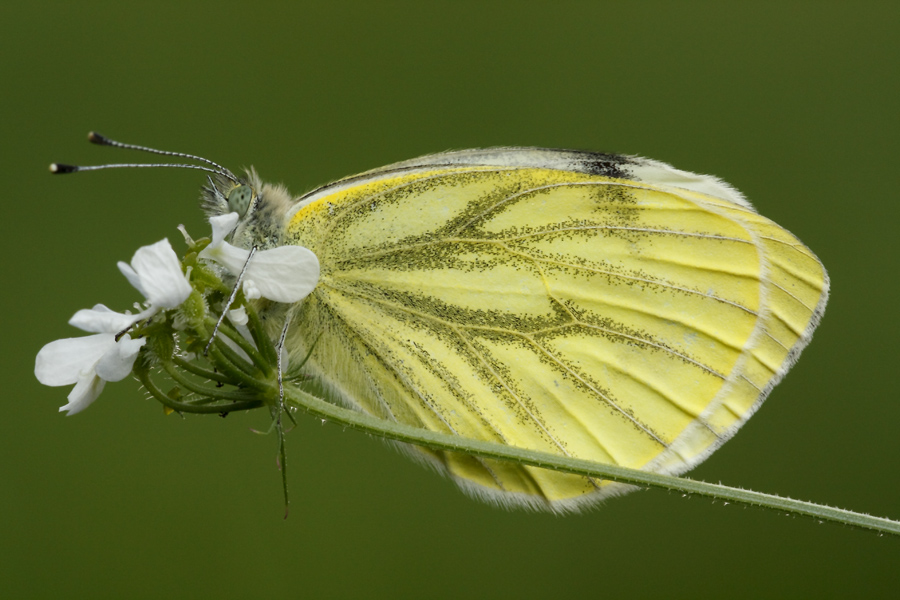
[{"x": 234, "y": 291}]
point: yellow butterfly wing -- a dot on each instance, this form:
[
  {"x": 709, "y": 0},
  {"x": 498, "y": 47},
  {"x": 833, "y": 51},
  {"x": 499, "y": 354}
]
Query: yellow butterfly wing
[{"x": 596, "y": 306}]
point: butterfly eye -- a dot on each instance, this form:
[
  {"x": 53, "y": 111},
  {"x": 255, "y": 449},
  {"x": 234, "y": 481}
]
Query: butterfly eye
[{"x": 239, "y": 199}]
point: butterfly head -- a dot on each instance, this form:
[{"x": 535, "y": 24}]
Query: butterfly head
[{"x": 262, "y": 207}]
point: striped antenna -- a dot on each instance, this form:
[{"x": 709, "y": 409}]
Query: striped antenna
[{"x": 101, "y": 140}]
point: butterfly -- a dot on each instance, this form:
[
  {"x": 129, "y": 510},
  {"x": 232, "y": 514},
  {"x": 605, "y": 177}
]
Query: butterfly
[{"x": 597, "y": 306}]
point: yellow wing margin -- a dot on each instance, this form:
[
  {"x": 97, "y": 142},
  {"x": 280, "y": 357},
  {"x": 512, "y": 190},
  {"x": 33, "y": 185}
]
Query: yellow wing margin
[{"x": 596, "y": 317}]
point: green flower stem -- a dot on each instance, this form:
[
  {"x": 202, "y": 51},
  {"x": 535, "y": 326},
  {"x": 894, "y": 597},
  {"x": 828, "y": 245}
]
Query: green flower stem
[
  {"x": 236, "y": 370},
  {"x": 439, "y": 441},
  {"x": 213, "y": 394},
  {"x": 226, "y": 360},
  {"x": 182, "y": 407},
  {"x": 260, "y": 337},
  {"x": 258, "y": 361},
  {"x": 190, "y": 367}
]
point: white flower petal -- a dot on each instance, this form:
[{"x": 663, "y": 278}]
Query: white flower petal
[
  {"x": 101, "y": 319},
  {"x": 222, "y": 225},
  {"x": 131, "y": 275},
  {"x": 159, "y": 269},
  {"x": 230, "y": 257},
  {"x": 83, "y": 394},
  {"x": 284, "y": 274},
  {"x": 63, "y": 362},
  {"x": 117, "y": 363}
]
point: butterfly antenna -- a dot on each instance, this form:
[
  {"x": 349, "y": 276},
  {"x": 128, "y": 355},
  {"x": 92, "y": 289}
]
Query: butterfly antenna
[{"x": 101, "y": 140}]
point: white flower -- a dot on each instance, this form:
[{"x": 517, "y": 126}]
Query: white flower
[
  {"x": 283, "y": 274},
  {"x": 89, "y": 362},
  {"x": 156, "y": 273}
]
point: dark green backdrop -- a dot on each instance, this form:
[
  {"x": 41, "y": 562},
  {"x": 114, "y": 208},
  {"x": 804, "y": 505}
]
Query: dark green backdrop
[{"x": 795, "y": 104}]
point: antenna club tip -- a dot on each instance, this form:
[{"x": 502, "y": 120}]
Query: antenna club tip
[
  {"x": 58, "y": 168},
  {"x": 96, "y": 138}
]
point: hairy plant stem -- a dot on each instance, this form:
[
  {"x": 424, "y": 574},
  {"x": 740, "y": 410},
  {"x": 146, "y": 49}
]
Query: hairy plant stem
[{"x": 438, "y": 441}]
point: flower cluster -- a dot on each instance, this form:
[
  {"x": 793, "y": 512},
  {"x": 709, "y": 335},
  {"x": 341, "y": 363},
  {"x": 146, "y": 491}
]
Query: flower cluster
[{"x": 285, "y": 274}]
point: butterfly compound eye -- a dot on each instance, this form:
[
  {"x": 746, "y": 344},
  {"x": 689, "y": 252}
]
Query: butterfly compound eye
[{"x": 239, "y": 199}]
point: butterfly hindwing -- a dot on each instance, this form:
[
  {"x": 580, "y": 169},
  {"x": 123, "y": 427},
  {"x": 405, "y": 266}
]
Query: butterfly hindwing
[{"x": 602, "y": 307}]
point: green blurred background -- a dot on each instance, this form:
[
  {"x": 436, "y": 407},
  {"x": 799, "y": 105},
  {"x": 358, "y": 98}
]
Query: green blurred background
[{"x": 796, "y": 104}]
